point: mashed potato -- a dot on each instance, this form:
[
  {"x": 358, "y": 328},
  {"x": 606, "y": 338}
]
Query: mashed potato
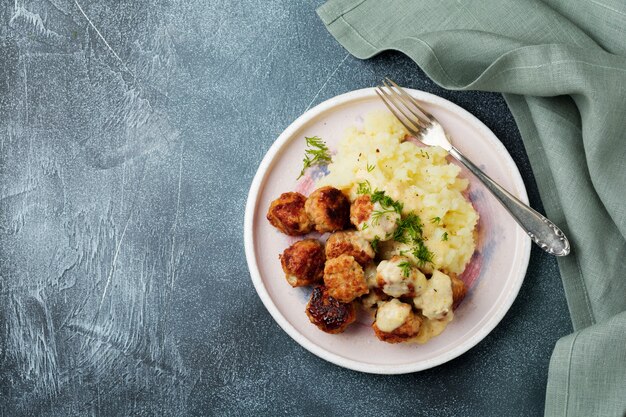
[{"x": 419, "y": 177}]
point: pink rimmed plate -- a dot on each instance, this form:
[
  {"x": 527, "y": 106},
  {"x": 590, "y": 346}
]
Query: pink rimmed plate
[{"x": 494, "y": 275}]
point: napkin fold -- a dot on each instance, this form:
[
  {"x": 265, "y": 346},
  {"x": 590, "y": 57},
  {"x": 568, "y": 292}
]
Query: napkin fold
[{"x": 561, "y": 66}]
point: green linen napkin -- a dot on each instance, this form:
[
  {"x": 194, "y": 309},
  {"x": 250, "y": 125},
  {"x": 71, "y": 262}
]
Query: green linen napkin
[{"x": 562, "y": 69}]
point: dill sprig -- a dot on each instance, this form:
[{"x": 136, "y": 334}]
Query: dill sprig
[
  {"x": 377, "y": 214},
  {"x": 444, "y": 237},
  {"x": 370, "y": 168},
  {"x": 317, "y": 153},
  {"x": 406, "y": 268},
  {"x": 386, "y": 202},
  {"x": 435, "y": 220},
  {"x": 378, "y": 196},
  {"x": 409, "y": 231},
  {"x": 364, "y": 188},
  {"x": 421, "y": 253}
]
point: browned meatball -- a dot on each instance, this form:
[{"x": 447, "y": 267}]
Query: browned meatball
[
  {"x": 303, "y": 263},
  {"x": 361, "y": 209},
  {"x": 329, "y": 209},
  {"x": 344, "y": 278},
  {"x": 350, "y": 243},
  {"x": 407, "y": 329},
  {"x": 458, "y": 290},
  {"x": 287, "y": 214},
  {"x": 327, "y": 313}
]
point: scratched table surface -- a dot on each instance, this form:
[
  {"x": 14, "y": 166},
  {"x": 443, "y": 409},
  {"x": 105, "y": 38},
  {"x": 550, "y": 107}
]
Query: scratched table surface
[{"x": 130, "y": 134}]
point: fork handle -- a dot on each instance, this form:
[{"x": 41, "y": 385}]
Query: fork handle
[{"x": 541, "y": 230}]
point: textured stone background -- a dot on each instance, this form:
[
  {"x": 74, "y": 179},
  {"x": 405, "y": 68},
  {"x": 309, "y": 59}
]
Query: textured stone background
[{"x": 129, "y": 135}]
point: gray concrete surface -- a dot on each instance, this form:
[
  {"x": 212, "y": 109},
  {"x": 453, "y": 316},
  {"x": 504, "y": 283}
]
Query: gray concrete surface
[{"x": 129, "y": 135}]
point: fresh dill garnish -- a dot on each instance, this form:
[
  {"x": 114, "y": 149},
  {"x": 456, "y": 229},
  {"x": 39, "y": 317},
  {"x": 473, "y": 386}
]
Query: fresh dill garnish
[
  {"x": 421, "y": 253},
  {"x": 435, "y": 220},
  {"x": 377, "y": 214},
  {"x": 375, "y": 243},
  {"x": 370, "y": 168},
  {"x": 379, "y": 196},
  {"x": 424, "y": 154},
  {"x": 317, "y": 153},
  {"x": 406, "y": 268},
  {"x": 409, "y": 231},
  {"x": 365, "y": 226},
  {"x": 386, "y": 201},
  {"x": 444, "y": 237},
  {"x": 364, "y": 188}
]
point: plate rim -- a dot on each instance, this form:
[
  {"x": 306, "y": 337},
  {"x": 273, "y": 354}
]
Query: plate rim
[{"x": 255, "y": 275}]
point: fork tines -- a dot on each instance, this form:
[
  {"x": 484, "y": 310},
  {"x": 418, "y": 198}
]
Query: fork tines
[{"x": 404, "y": 107}]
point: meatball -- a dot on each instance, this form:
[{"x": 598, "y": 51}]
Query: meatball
[
  {"x": 361, "y": 209},
  {"x": 396, "y": 322},
  {"x": 344, "y": 279},
  {"x": 458, "y": 290},
  {"x": 350, "y": 243},
  {"x": 303, "y": 263},
  {"x": 374, "y": 221},
  {"x": 329, "y": 314},
  {"x": 287, "y": 214},
  {"x": 398, "y": 277},
  {"x": 435, "y": 300},
  {"x": 329, "y": 209}
]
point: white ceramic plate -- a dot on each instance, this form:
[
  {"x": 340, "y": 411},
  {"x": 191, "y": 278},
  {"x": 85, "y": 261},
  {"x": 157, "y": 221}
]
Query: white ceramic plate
[{"x": 494, "y": 276}]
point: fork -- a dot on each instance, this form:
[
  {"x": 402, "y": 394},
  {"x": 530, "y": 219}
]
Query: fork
[{"x": 425, "y": 127}]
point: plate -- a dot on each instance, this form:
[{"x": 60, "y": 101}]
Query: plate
[{"x": 494, "y": 275}]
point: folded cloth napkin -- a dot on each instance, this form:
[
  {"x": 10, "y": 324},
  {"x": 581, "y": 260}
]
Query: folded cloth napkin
[{"x": 561, "y": 66}]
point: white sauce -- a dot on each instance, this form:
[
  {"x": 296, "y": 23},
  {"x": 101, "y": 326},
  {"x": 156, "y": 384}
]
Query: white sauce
[
  {"x": 396, "y": 283},
  {"x": 435, "y": 300},
  {"x": 379, "y": 227},
  {"x": 431, "y": 328},
  {"x": 371, "y": 300},
  {"x": 370, "y": 275},
  {"x": 392, "y": 315}
]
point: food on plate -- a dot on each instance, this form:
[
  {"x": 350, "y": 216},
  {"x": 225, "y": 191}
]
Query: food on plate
[
  {"x": 435, "y": 299},
  {"x": 350, "y": 243},
  {"x": 329, "y": 209},
  {"x": 396, "y": 322},
  {"x": 402, "y": 230},
  {"x": 303, "y": 263},
  {"x": 287, "y": 214},
  {"x": 376, "y": 216},
  {"x": 375, "y": 295},
  {"x": 327, "y": 313},
  {"x": 344, "y": 278},
  {"x": 376, "y": 155},
  {"x": 398, "y": 277}
]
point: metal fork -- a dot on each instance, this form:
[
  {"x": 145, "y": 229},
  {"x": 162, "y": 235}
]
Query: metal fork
[{"x": 429, "y": 131}]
